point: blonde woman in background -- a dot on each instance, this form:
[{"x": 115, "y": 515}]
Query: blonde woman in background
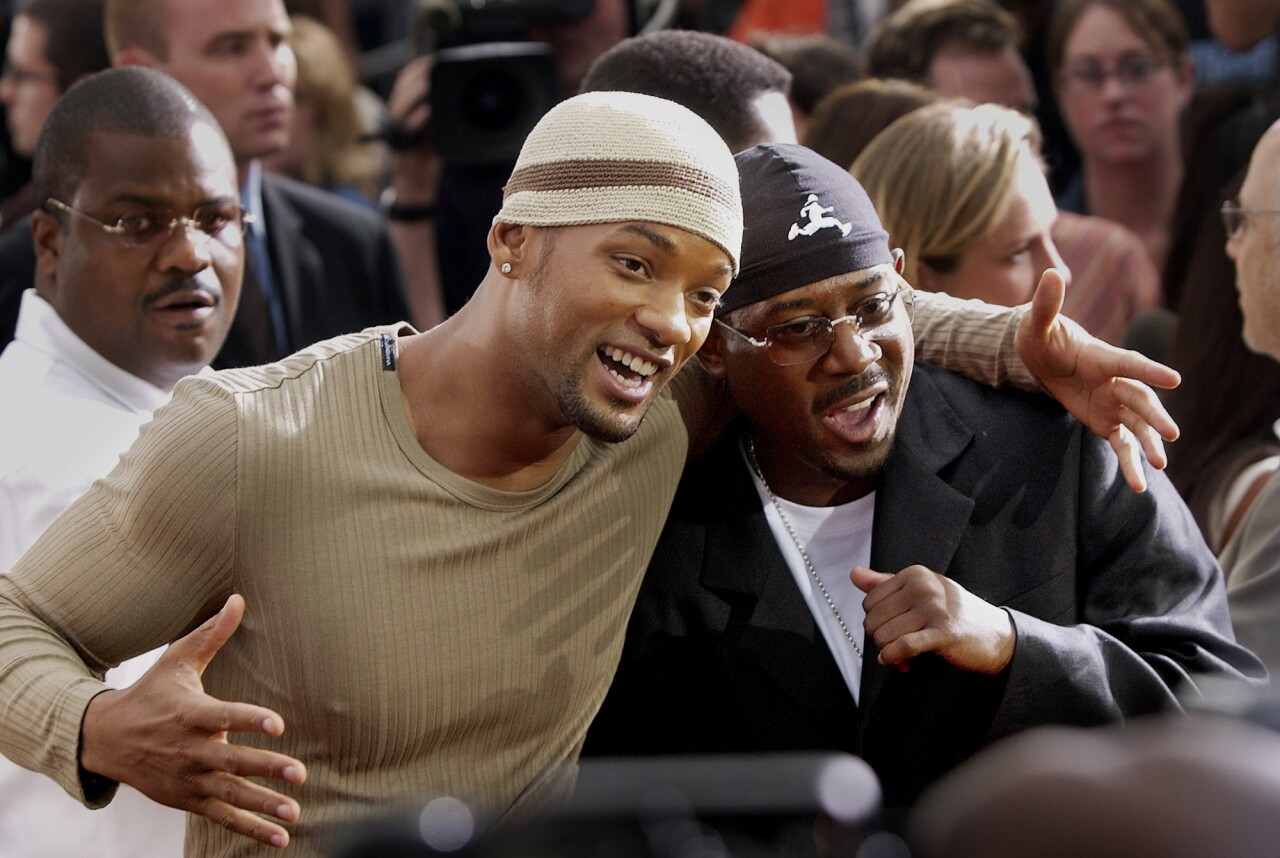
[
  {"x": 962, "y": 190},
  {"x": 326, "y": 148}
]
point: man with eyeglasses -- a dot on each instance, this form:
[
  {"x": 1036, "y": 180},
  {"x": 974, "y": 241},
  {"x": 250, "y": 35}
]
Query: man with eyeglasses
[
  {"x": 1002, "y": 577},
  {"x": 140, "y": 252},
  {"x": 1251, "y": 559}
]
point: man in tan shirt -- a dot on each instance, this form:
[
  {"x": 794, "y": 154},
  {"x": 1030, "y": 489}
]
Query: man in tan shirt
[{"x": 438, "y": 536}]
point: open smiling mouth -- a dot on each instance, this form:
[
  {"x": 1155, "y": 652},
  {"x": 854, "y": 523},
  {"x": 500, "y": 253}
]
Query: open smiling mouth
[{"x": 631, "y": 371}]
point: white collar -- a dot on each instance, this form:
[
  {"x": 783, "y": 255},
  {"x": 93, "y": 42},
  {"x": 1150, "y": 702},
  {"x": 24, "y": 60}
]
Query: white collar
[{"x": 42, "y": 329}]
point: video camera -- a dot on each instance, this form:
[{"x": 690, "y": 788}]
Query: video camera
[{"x": 489, "y": 86}]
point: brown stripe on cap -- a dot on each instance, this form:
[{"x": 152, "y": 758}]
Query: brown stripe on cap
[{"x": 590, "y": 173}]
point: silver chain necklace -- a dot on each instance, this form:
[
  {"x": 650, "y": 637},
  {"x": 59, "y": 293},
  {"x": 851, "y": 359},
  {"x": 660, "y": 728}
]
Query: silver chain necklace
[{"x": 804, "y": 555}]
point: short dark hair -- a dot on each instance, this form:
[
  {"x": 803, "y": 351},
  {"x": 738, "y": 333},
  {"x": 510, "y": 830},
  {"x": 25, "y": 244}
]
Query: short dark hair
[
  {"x": 132, "y": 100},
  {"x": 716, "y": 78},
  {"x": 906, "y": 41},
  {"x": 818, "y": 63},
  {"x": 75, "y": 45}
]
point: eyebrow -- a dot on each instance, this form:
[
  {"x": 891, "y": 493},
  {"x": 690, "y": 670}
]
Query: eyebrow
[
  {"x": 666, "y": 245},
  {"x": 133, "y": 198}
]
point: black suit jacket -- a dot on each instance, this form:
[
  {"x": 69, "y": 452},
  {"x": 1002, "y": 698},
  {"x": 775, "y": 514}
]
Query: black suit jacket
[
  {"x": 1115, "y": 597},
  {"x": 333, "y": 262}
]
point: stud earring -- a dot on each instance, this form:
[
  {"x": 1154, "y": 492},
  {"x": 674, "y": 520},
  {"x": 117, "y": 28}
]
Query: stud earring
[{"x": 506, "y": 268}]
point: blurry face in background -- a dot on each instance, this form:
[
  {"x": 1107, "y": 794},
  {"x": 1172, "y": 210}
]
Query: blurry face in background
[
  {"x": 577, "y": 44},
  {"x": 1004, "y": 266},
  {"x": 1255, "y": 248},
  {"x": 985, "y": 77},
  {"x": 1119, "y": 120},
  {"x": 235, "y": 57},
  {"x": 29, "y": 87}
]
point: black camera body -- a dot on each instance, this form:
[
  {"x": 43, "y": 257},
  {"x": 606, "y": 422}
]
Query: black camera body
[
  {"x": 449, "y": 23},
  {"x": 488, "y": 86}
]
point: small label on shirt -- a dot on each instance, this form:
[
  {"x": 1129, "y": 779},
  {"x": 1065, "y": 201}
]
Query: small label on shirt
[{"x": 388, "y": 353}]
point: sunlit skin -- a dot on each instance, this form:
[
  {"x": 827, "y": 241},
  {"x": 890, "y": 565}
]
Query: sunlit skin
[
  {"x": 1004, "y": 266},
  {"x": 235, "y": 57},
  {"x": 539, "y": 362},
  {"x": 1255, "y": 248},
  {"x": 30, "y": 89},
  {"x": 160, "y": 311}
]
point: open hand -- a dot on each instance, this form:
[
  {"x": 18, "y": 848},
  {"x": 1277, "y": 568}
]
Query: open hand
[
  {"x": 168, "y": 739},
  {"x": 1105, "y": 387},
  {"x": 919, "y": 611}
]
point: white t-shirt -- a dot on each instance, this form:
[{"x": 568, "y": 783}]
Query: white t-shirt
[{"x": 836, "y": 538}]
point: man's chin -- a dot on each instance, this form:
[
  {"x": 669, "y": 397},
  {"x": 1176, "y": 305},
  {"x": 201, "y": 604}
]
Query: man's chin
[{"x": 865, "y": 464}]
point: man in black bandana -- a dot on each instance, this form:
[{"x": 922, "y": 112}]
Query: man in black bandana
[{"x": 885, "y": 558}]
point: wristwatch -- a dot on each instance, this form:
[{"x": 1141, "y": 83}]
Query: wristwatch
[{"x": 404, "y": 211}]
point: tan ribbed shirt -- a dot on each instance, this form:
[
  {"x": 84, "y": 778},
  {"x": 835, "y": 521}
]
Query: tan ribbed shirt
[{"x": 419, "y": 633}]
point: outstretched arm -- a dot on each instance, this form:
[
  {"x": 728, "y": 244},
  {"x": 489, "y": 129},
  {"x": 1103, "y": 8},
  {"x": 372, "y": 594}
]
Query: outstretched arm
[
  {"x": 1105, "y": 387},
  {"x": 1034, "y": 346},
  {"x": 169, "y": 740}
]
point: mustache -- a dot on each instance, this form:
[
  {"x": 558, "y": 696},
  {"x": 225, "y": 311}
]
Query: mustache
[
  {"x": 858, "y": 384},
  {"x": 185, "y": 284}
]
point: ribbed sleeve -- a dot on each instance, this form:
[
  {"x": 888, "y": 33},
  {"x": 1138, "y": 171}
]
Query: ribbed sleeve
[
  {"x": 419, "y": 633},
  {"x": 971, "y": 338}
]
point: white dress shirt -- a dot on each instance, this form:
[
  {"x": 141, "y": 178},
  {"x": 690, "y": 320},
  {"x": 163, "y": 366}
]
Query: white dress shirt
[{"x": 68, "y": 415}]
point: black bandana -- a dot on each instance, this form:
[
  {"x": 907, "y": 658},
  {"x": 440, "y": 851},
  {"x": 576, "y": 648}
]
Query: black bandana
[{"x": 804, "y": 220}]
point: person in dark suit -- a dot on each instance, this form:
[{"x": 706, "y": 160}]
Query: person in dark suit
[
  {"x": 1003, "y": 575},
  {"x": 317, "y": 266}
]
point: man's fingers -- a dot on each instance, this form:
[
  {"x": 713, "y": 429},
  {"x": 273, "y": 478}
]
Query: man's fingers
[
  {"x": 243, "y": 822},
  {"x": 1126, "y": 447},
  {"x": 247, "y": 795},
  {"x": 902, "y": 650},
  {"x": 1046, "y": 301},
  {"x": 211, "y": 715},
  {"x": 1139, "y": 367},
  {"x": 199, "y": 647},
  {"x": 896, "y": 627},
  {"x": 1149, "y": 439},
  {"x": 866, "y": 579},
  {"x": 1142, "y": 401}
]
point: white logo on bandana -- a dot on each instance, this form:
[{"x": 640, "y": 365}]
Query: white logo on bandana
[{"x": 818, "y": 219}]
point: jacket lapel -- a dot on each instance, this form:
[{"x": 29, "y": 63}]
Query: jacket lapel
[
  {"x": 742, "y": 563},
  {"x": 920, "y": 518}
]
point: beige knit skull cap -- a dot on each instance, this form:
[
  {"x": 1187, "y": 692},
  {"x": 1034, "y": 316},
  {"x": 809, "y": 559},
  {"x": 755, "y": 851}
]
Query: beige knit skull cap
[{"x": 605, "y": 157}]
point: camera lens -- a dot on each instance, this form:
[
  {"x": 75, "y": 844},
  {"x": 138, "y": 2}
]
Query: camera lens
[{"x": 493, "y": 100}]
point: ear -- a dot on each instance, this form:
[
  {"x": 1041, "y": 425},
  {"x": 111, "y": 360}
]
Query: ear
[
  {"x": 712, "y": 353},
  {"x": 899, "y": 259},
  {"x": 928, "y": 277},
  {"x": 46, "y": 235},
  {"x": 135, "y": 55},
  {"x": 509, "y": 243}
]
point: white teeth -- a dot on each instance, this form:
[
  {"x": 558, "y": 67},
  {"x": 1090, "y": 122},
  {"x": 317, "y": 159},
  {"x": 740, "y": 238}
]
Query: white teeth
[
  {"x": 626, "y": 382},
  {"x": 860, "y": 406},
  {"x": 635, "y": 363}
]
